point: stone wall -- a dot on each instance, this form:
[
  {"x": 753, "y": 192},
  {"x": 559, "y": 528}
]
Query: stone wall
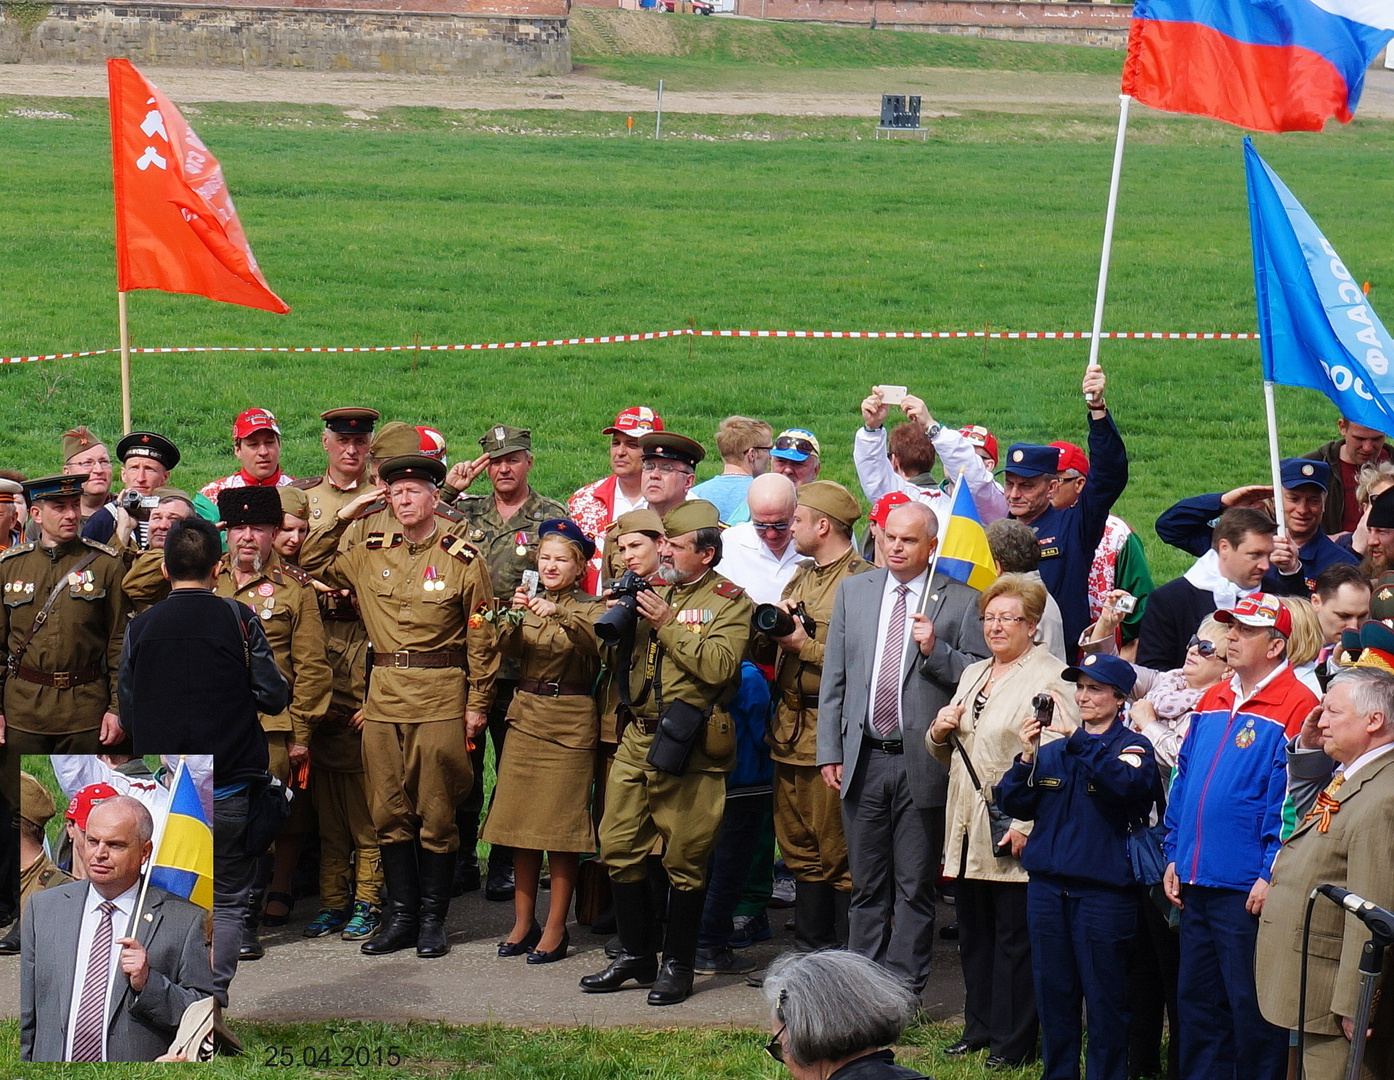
[{"x": 436, "y": 37}]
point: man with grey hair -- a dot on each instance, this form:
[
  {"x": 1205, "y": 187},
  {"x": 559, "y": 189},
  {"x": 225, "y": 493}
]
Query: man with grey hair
[
  {"x": 1015, "y": 550},
  {"x": 1342, "y": 784},
  {"x": 757, "y": 554},
  {"x": 897, "y": 644}
]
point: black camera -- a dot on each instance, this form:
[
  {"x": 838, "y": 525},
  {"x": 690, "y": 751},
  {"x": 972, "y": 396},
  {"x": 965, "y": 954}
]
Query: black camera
[
  {"x": 774, "y": 621},
  {"x": 136, "y": 504},
  {"x": 1044, "y": 705},
  {"x": 619, "y": 621}
]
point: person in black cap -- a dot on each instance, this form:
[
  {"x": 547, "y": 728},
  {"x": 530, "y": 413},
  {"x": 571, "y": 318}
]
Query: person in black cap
[
  {"x": 346, "y": 439},
  {"x": 1299, "y": 557},
  {"x": 669, "y": 467},
  {"x": 146, "y": 462}
]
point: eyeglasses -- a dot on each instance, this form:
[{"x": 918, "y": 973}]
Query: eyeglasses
[
  {"x": 1000, "y": 620},
  {"x": 789, "y": 442},
  {"x": 777, "y": 526},
  {"x": 663, "y": 467},
  {"x": 762, "y": 447},
  {"x": 774, "y": 1047},
  {"x": 1205, "y": 649},
  {"x": 92, "y": 463}
]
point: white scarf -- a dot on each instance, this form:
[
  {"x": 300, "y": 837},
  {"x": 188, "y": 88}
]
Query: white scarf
[{"x": 1205, "y": 575}]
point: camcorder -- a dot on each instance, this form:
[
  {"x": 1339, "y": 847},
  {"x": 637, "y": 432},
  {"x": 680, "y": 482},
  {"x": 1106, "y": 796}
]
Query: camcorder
[
  {"x": 773, "y": 621},
  {"x": 136, "y": 504},
  {"x": 617, "y": 623}
]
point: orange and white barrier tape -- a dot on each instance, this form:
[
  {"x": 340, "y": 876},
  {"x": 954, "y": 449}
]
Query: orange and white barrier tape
[{"x": 610, "y": 339}]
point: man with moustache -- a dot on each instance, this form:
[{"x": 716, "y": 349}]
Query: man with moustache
[
  {"x": 1379, "y": 547},
  {"x": 597, "y": 506}
]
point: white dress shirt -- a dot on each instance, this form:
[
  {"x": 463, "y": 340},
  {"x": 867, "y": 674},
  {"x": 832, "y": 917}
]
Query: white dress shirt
[
  {"x": 750, "y": 564},
  {"x": 91, "y": 919},
  {"x": 913, "y": 597},
  {"x": 1364, "y": 759}
]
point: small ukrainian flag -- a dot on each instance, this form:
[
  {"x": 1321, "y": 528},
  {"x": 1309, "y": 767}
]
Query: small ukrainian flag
[
  {"x": 183, "y": 859},
  {"x": 963, "y": 551}
]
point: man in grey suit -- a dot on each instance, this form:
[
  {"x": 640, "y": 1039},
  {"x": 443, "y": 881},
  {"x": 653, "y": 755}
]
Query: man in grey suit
[
  {"x": 894, "y": 657},
  {"x": 88, "y": 994}
]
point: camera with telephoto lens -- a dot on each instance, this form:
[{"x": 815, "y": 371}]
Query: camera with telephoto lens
[
  {"x": 136, "y": 504},
  {"x": 620, "y": 620},
  {"x": 773, "y": 621},
  {"x": 1044, "y": 705}
]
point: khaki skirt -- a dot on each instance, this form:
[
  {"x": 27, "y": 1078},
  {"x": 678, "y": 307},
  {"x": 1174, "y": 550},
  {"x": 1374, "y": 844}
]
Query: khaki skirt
[{"x": 542, "y": 797}]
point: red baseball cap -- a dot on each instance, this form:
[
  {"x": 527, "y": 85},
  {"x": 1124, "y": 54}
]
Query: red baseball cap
[
  {"x": 254, "y": 420},
  {"x": 885, "y": 504},
  {"x": 1072, "y": 457},
  {"x": 432, "y": 443},
  {"x": 80, "y": 806},
  {"x": 980, "y": 436},
  {"x": 636, "y": 420},
  {"x": 1261, "y": 609}
]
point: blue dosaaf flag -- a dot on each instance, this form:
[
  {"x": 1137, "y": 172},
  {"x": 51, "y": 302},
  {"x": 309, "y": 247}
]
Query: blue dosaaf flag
[{"x": 1318, "y": 329}]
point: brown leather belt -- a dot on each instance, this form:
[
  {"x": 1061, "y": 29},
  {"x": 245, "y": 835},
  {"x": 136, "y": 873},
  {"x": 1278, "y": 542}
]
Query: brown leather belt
[
  {"x": 554, "y": 689},
  {"x": 339, "y": 616},
  {"x": 445, "y": 659},
  {"x": 647, "y": 724},
  {"x": 794, "y": 700},
  {"x": 59, "y": 680}
]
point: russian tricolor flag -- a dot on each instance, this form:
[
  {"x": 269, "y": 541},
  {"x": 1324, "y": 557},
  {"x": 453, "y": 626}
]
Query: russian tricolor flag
[{"x": 1267, "y": 65}]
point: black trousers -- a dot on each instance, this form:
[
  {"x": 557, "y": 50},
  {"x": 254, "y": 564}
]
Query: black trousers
[
  {"x": 1152, "y": 971},
  {"x": 995, "y": 947},
  {"x": 467, "y": 817},
  {"x": 234, "y": 872}
]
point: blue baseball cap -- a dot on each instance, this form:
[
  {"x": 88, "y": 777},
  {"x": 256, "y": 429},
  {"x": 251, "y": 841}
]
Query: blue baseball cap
[
  {"x": 567, "y": 530},
  {"x": 1298, "y": 471},
  {"x": 1107, "y": 669},
  {"x": 1031, "y": 459},
  {"x": 796, "y": 444}
]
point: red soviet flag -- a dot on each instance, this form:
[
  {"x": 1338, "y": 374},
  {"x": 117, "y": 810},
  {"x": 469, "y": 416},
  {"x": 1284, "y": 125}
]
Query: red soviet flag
[{"x": 176, "y": 228}]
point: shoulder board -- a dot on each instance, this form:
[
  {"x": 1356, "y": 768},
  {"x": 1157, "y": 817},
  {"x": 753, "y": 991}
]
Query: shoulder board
[
  {"x": 295, "y": 574},
  {"x": 457, "y": 547},
  {"x": 382, "y": 540},
  {"x": 730, "y": 590},
  {"x": 371, "y": 509},
  {"x": 113, "y": 552},
  {"x": 17, "y": 549},
  {"x": 448, "y": 512},
  {"x": 307, "y": 483}
]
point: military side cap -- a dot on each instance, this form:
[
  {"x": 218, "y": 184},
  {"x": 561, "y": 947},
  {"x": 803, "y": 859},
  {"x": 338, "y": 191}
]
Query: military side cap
[
  {"x": 294, "y": 502},
  {"x": 84, "y": 799},
  {"x": 671, "y": 447},
  {"x": 249, "y": 506},
  {"x": 35, "y": 802},
  {"x": 412, "y": 467},
  {"x": 1031, "y": 459},
  {"x": 250, "y": 421},
  {"x": 54, "y": 487},
  {"x": 567, "y": 530},
  {"x": 831, "y": 499},
  {"x": 644, "y": 521},
  {"x": 76, "y": 440},
  {"x": 502, "y": 439},
  {"x": 1381, "y": 512},
  {"x": 147, "y": 444},
  {"x": 395, "y": 439},
  {"x": 9, "y": 489},
  {"x": 1107, "y": 669},
  {"x": 350, "y": 421},
  {"x": 690, "y": 516},
  {"x": 1298, "y": 471}
]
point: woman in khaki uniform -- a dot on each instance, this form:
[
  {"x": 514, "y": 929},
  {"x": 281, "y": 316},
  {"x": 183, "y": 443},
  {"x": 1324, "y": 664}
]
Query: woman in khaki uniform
[{"x": 542, "y": 797}]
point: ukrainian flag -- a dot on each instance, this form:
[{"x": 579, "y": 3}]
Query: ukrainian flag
[
  {"x": 963, "y": 551},
  {"x": 183, "y": 859}
]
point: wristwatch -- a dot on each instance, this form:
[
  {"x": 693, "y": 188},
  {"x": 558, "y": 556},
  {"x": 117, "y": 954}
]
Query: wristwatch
[{"x": 933, "y": 430}]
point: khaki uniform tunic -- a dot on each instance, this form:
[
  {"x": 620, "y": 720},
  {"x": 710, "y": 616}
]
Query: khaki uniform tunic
[
  {"x": 39, "y": 875},
  {"x": 84, "y": 629},
  {"x": 808, "y": 813},
  {"x": 144, "y": 584},
  {"x": 700, "y": 663}
]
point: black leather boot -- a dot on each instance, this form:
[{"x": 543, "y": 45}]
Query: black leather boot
[
  {"x": 437, "y": 874},
  {"x": 674, "y": 982},
  {"x": 813, "y": 916},
  {"x": 403, "y": 884},
  {"x": 634, "y": 927}
]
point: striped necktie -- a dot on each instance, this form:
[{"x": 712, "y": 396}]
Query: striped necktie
[
  {"x": 885, "y": 715},
  {"x": 91, "y": 1010}
]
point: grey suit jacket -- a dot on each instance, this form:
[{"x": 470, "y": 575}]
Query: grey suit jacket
[
  {"x": 928, "y": 681},
  {"x": 141, "y": 1026}
]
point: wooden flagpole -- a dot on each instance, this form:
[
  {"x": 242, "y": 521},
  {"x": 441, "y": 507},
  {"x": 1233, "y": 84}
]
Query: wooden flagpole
[
  {"x": 1124, "y": 100},
  {"x": 125, "y": 364}
]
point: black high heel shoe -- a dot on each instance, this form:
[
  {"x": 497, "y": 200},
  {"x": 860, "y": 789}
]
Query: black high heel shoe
[
  {"x": 518, "y": 948},
  {"x": 559, "y": 953}
]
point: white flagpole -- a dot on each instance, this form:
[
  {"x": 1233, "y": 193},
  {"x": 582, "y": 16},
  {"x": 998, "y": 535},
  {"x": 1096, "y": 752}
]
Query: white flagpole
[
  {"x": 1124, "y": 101},
  {"x": 1273, "y": 459},
  {"x": 938, "y": 549},
  {"x": 125, "y": 365},
  {"x": 154, "y": 848}
]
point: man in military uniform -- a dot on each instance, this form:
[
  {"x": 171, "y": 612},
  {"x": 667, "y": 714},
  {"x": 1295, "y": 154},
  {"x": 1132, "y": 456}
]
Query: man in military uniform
[
  {"x": 684, "y": 664},
  {"x": 11, "y": 499},
  {"x": 808, "y": 813},
  {"x": 502, "y": 525},
  {"x": 146, "y": 461},
  {"x": 347, "y": 440},
  {"x": 420, "y": 589},
  {"x": 37, "y": 870},
  {"x": 669, "y": 468},
  {"x": 284, "y": 599},
  {"x": 61, "y": 623},
  {"x": 86, "y": 455}
]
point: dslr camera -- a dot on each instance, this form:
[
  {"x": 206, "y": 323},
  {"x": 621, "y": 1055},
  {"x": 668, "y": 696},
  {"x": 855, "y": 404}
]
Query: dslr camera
[
  {"x": 774, "y": 621},
  {"x": 619, "y": 621},
  {"x": 136, "y": 504}
]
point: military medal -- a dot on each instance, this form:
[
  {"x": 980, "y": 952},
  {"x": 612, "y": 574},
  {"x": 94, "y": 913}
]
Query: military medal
[
  {"x": 266, "y": 588},
  {"x": 522, "y": 541},
  {"x": 432, "y": 581},
  {"x": 476, "y": 534},
  {"x": 88, "y": 580},
  {"x": 74, "y": 580},
  {"x": 28, "y": 586}
]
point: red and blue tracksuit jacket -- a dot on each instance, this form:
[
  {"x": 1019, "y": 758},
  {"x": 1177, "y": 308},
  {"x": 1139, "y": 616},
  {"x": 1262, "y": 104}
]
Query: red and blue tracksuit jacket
[{"x": 1224, "y": 816}]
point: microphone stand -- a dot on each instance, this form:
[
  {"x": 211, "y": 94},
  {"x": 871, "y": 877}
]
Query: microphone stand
[{"x": 1371, "y": 963}]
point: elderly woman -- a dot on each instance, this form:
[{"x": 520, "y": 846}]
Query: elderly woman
[
  {"x": 542, "y": 798},
  {"x": 833, "y": 1015},
  {"x": 981, "y": 726},
  {"x": 1084, "y": 791}
]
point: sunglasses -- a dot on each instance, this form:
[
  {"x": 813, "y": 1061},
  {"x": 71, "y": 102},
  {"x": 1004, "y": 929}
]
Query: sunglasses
[
  {"x": 789, "y": 442},
  {"x": 774, "y": 1047},
  {"x": 777, "y": 526},
  {"x": 1207, "y": 650}
]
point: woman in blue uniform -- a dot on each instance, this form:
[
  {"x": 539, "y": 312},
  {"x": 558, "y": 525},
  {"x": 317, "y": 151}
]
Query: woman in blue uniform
[{"x": 1083, "y": 792}]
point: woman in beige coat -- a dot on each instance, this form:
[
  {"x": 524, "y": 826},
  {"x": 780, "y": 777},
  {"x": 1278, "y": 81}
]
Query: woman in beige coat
[{"x": 994, "y": 697}]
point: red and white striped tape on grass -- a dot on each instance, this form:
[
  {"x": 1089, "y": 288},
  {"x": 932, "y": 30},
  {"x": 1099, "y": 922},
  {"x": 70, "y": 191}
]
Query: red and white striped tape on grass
[{"x": 610, "y": 339}]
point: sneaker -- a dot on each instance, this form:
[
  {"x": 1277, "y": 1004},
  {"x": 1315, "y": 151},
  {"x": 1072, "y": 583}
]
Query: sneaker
[
  {"x": 721, "y": 962},
  {"x": 327, "y": 921},
  {"x": 748, "y": 929},
  {"x": 365, "y": 922},
  {"x": 783, "y": 894}
]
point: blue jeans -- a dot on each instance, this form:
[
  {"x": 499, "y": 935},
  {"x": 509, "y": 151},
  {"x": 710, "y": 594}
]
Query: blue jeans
[
  {"x": 1223, "y": 1034},
  {"x": 729, "y": 867},
  {"x": 1080, "y": 936}
]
